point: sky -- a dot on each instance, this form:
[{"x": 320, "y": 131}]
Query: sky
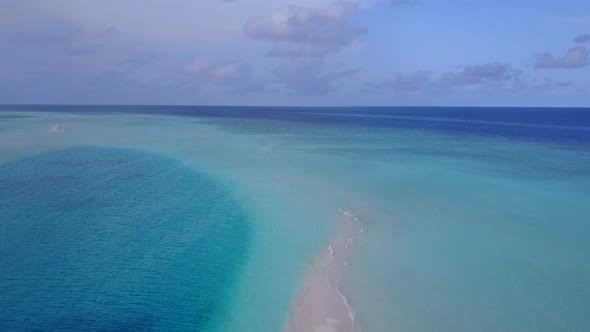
[{"x": 296, "y": 52}]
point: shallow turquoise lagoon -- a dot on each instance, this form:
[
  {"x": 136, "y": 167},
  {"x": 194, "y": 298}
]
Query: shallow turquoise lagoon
[{"x": 191, "y": 222}]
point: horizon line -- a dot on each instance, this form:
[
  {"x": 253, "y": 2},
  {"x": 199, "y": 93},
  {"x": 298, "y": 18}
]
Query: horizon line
[{"x": 288, "y": 106}]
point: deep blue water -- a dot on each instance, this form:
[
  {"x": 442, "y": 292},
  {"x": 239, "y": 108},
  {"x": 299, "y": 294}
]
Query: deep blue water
[
  {"x": 115, "y": 240},
  {"x": 569, "y": 126}
]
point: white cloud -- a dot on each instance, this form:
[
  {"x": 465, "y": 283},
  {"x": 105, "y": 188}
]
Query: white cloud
[
  {"x": 410, "y": 82},
  {"x": 576, "y": 57},
  {"x": 235, "y": 75},
  {"x": 297, "y": 31},
  {"x": 309, "y": 77}
]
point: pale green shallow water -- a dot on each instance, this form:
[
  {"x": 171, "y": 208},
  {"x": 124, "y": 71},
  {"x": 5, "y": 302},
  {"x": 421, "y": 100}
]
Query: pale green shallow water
[{"x": 461, "y": 234}]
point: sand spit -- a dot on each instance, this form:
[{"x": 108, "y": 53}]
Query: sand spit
[{"x": 320, "y": 306}]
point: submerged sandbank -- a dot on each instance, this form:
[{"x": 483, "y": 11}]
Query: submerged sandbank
[{"x": 320, "y": 306}]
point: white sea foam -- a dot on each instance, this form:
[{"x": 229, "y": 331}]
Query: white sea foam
[{"x": 351, "y": 312}]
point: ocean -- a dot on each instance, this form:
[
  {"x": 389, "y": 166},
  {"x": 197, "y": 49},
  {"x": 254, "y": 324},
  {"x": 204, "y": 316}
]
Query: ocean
[{"x": 219, "y": 218}]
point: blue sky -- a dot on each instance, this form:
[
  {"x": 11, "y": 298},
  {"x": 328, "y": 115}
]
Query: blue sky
[{"x": 286, "y": 52}]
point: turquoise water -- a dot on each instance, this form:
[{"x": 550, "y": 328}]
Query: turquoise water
[
  {"x": 474, "y": 222},
  {"x": 113, "y": 239}
]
